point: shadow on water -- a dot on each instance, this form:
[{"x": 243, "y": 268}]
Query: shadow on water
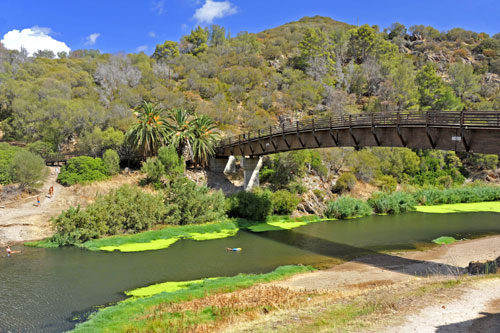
[
  {"x": 367, "y": 256},
  {"x": 489, "y": 323}
]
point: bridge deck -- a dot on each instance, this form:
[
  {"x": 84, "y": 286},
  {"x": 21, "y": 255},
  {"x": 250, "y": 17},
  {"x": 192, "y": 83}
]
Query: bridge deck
[{"x": 476, "y": 131}]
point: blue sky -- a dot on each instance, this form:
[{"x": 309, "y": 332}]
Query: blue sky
[{"x": 134, "y": 25}]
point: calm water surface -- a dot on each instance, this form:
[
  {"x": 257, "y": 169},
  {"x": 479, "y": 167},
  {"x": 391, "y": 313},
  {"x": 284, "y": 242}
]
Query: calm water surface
[{"x": 49, "y": 289}]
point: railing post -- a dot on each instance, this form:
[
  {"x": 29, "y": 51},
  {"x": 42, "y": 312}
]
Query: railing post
[
  {"x": 259, "y": 133},
  {"x": 350, "y": 121},
  {"x": 331, "y": 124},
  {"x": 313, "y": 124},
  {"x": 297, "y": 123},
  {"x": 461, "y": 119},
  {"x": 283, "y": 128},
  {"x": 397, "y": 118},
  {"x": 270, "y": 131},
  {"x": 427, "y": 120}
]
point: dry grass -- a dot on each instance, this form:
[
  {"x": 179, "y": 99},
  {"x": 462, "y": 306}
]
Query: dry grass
[{"x": 225, "y": 309}]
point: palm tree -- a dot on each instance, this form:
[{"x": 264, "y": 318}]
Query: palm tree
[
  {"x": 196, "y": 134},
  {"x": 150, "y": 132}
]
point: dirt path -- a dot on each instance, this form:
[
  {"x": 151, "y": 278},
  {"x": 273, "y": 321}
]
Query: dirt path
[
  {"x": 477, "y": 309},
  {"x": 26, "y": 221}
]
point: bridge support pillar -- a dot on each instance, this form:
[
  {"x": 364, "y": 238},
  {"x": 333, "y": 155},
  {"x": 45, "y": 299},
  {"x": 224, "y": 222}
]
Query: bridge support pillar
[
  {"x": 222, "y": 164},
  {"x": 217, "y": 164},
  {"x": 251, "y": 168}
]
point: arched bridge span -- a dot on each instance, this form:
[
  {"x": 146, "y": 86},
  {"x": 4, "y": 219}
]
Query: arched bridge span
[{"x": 467, "y": 131}]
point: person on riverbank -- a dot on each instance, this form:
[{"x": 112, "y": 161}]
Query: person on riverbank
[
  {"x": 51, "y": 192},
  {"x": 38, "y": 201},
  {"x": 8, "y": 250}
]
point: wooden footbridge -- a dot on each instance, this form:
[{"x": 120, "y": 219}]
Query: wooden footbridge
[{"x": 468, "y": 131}]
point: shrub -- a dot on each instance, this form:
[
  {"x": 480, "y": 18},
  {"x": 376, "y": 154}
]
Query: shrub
[
  {"x": 28, "y": 170},
  {"x": 387, "y": 183},
  {"x": 284, "y": 202},
  {"x": 445, "y": 181},
  {"x": 346, "y": 207},
  {"x": 255, "y": 205},
  {"x": 125, "y": 209},
  {"x": 82, "y": 170},
  {"x": 297, "y": 187},
  {"x": 466, "y": 194},
  {"x": 154, "y": 170},
  {"x": 188, "y": 203},
  {"x": 394, "y": 203},
  {"x": 112, "y": 161},
  {"x": 319, "y": 194},
  {"x": 7, "y": 153},
  {"x": 345, "y": 182},
  {"x": 172, "y": 163},
  {"x": 41, "y": 148}
]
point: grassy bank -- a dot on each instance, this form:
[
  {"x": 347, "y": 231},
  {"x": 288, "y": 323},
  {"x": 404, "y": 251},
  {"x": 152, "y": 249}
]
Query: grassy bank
[
  {"x": 158, "y": 312},
  {"x": 489, "y": 206}
]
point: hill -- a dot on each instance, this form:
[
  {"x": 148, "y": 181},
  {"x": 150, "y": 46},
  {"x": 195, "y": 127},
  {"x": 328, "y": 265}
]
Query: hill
[{"x": 312, "y": 67}]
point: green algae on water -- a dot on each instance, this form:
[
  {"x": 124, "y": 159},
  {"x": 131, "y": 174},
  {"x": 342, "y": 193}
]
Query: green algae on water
[
  {"x": 444, "y": 240},
  {"x": 474, "y": 207}
]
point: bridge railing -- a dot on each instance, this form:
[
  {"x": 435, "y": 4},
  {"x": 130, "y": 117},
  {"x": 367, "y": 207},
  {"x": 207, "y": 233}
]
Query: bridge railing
[{"x": 384, "y": 119}]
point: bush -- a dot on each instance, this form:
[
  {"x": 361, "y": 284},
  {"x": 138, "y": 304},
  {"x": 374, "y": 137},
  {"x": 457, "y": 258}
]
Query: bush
[
  {"x": 28, "y": 170},
  {"x": 188, "y": 203},
  {"x": 387, "y": 183},
  {"x": 284, "y": 202},
  {"x": 319, "y": 194},
  {"x": 112, "y": 161},
  {"x": 345, "y": 182},
  {"x": 297, "y": 187},
  {"x": 457, "y": 195},
  {"x": 82, "y": 170},
  {"x": 394, "y": 203},
  {"x": 41, "y": 148},
  {"x": 255, "y": 205},
  {"x": 346, "y": 207},
  {"x": 172, "y": 163},
  {"x": 7, "y": 153},
  {"x": 125, "y": 209},
  {"x": 154, "y": 170}
]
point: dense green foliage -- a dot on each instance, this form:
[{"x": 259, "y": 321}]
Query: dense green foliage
[
  {"x": 347, "y": 207},
  {"x": 256, "y": 205},
  {"x": 127, "y": 209},
  {"x": 28, "y": 170},
  {"x": 314, "y": 66},
  {"x": 393, "y": 203},
  {"x": 465, "y": 194},
  {"x": 188, "y": 203},
  {"x": 111, "y": 161},
  {"x": 7, "y": 153},
  {"x": 284, "y": 202},
  {"x": 345, "y": 182},
  {"x": 83, "y": 169}
]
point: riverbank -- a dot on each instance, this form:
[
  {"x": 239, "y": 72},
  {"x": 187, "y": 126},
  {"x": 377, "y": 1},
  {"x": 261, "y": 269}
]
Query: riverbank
[{"x": 355, "y": 295}]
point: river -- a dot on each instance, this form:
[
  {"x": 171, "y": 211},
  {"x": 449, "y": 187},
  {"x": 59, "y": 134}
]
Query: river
[{"x": 50, "y": 290}]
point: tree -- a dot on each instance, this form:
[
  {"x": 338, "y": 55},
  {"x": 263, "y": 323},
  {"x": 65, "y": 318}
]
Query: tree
[
  {"x": 192, "y": 134},
  {"x": 463, "y": 80},
  {"x": 150, "y": 131},
  {"x": 395, "y": 30},
  {"x": 28, "y": 170},
  {"x": 217, "y": 35},
  {"x": 197, "y": 41},
  {"x": 173, "y": 164},
  {"x": 362, "y": 40},
  {"x": 112, "y": 161},
  {"x": 316, "y": 54},
  {"x": 433, "y": 93},
  {"x": 166, "y": 51}
]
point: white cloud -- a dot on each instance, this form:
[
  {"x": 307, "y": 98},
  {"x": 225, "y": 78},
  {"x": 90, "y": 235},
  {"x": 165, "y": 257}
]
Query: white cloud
[
  {"x": 92, "y": 38},
  {"x": 152, "y": 34},
  {"x": 158, "y": 6},
  {"x": 33, "y": 39},
  {"x": 213, "y": 10},
  {"x": 142, "y": 48}
]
